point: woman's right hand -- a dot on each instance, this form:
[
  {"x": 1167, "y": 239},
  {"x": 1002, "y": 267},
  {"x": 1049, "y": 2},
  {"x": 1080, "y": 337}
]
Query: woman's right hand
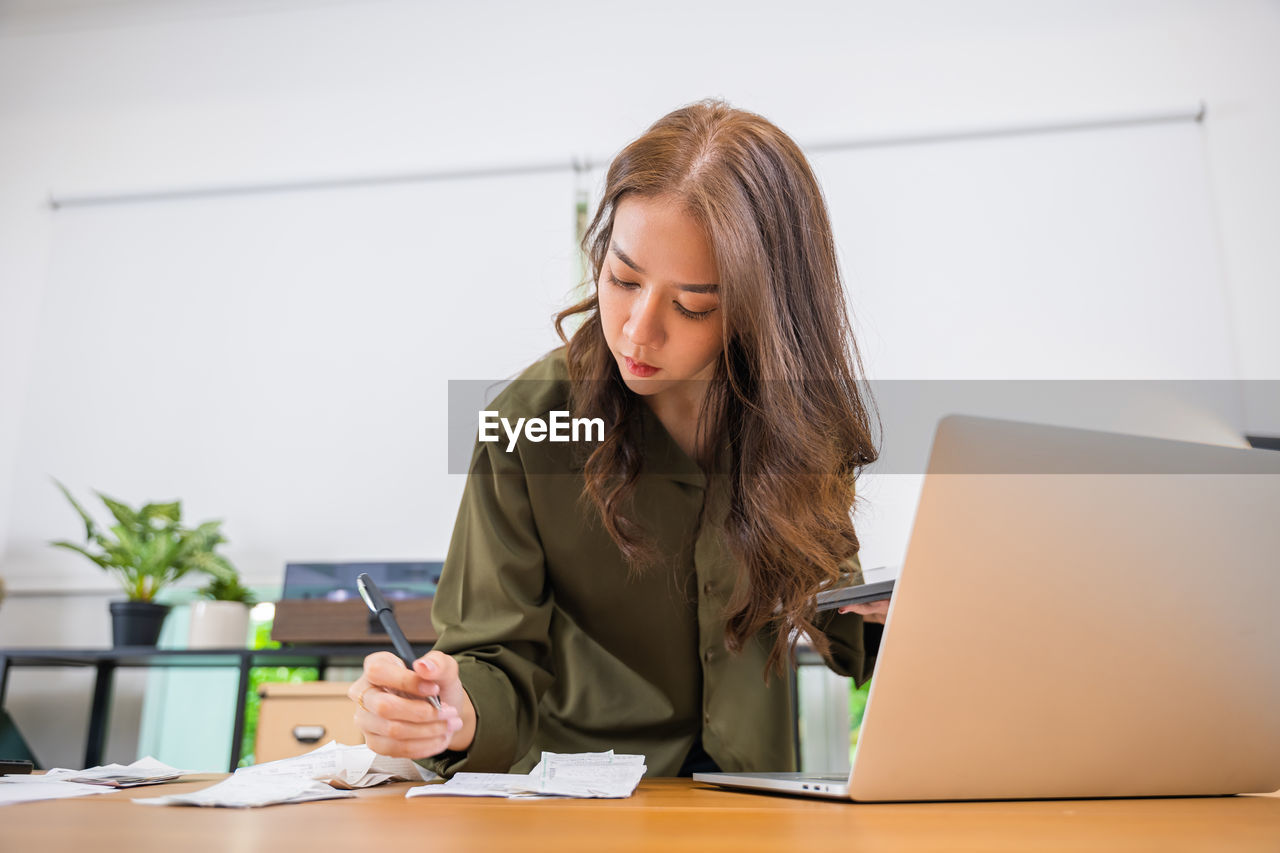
[
  {"x": 875, "y": 611},
  {"x": 393, "y": 713}
]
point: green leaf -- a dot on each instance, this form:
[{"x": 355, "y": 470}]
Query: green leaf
[
  {"x": 166, "y": 550},
  {"x": 71, "y": 546},
  {"x": 227, "y": 568},
  {"x": 210, "y": 533},
  {"x": 210, "y": 564},
  {"x": 117, "y": 555},
  {"x": 129, "y": 540},
  {"x": 171, "y": 513},
  {"x": 206, "y": 537},
  {"x": 155, "y": 552},
  {"x": 228, "y": 589},
  {"x": 88, "y": 519},
  {"x": 123, "y": 513}
]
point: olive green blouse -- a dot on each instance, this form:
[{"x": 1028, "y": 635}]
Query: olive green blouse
[{"x": 562, "y": 648}]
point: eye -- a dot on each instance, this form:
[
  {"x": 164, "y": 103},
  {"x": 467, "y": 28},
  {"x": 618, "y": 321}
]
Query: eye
[
  {"x": 620, "y": 283},
  {"x": 684, "y": 312},
  {"x": 694, "y": 315}
]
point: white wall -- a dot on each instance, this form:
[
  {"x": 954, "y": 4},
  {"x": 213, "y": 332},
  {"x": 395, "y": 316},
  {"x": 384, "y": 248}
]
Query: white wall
[{"x": 129, "y": 96}]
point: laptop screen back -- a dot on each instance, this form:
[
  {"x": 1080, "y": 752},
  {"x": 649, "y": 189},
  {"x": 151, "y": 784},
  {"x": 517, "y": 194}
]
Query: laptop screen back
[{"x": 1080, "y": 614}]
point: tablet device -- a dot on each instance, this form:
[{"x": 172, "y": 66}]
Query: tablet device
[{"x": 863, "y": 593}]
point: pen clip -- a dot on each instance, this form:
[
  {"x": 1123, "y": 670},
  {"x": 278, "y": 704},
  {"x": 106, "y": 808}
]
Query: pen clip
[{"x": 371, "y": 594}]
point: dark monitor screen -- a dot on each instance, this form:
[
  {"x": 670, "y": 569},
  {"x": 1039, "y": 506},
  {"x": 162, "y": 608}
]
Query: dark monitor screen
[{"x": 337, "y": 581}]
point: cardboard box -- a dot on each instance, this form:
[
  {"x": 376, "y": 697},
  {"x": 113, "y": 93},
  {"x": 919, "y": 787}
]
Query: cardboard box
[{"x": 297, "y": 718}]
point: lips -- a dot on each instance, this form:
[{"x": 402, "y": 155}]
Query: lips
[{"x": 639, "y": 368}]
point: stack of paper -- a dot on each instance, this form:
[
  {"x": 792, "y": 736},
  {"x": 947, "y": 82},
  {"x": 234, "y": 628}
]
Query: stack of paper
[
  {"x": 144, "y": 771},
  {"x": 61, "y": 782},
  {"x": 248, "y": 791},
  {"x": 589, "y": 774},
  {"x": 344, "y": 767},
  {"x": 313, "y": 776},
  {"x": 584, "y": 774}
]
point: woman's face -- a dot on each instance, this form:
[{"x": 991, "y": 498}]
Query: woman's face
[{"x": 660, "y": 299}]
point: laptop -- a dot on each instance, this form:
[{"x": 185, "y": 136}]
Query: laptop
[{"x": 1079, "y": 614}]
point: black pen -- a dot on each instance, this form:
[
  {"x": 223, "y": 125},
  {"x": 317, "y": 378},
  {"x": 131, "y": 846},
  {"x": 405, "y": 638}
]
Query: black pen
[{"x": 373, "y": 597}]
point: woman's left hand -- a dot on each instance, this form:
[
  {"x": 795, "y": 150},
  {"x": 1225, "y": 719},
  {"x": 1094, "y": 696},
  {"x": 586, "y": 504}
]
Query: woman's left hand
[{"x": 872, "y": 611}]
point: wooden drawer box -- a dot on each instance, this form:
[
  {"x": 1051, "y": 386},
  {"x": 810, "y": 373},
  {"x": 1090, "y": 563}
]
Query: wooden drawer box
[{"x": 297, "y": 718}]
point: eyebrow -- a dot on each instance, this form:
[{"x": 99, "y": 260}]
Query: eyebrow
[{"x": 691, "y": 288}]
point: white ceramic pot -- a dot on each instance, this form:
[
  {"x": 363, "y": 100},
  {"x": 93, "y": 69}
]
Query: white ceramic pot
[{"x": 218, "y": 625}]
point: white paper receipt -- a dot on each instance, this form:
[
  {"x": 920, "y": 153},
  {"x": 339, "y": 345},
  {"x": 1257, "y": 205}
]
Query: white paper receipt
[
  {"x": 344, "y": 766},
  {"x": 245, "y": 791},
  {"x": 144, "y": 771},
  {"x": 327, "y": 773},
  {"x": 583, "y": 774}
]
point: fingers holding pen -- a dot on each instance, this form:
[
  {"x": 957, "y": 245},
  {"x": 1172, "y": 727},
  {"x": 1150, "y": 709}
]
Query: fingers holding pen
[
  {"x": 394, "y": 705},
  {"x": 408, "y": 739},
  {"x": 394, "y": 711},
  {"x": 436, "y": 667},
  {"x": 388, "y": 672},
  {"x": 441, "y": 671},
  {"x": 403, "y": 726},
  {"x": 394, "y": 716},
  {"x": 390, "y": 690}
]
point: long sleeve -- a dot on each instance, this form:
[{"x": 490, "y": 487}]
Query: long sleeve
[
  {"x": 563, "y": 646},
  {"x": 854, "y": 642},
  {"x": 492, "y": 612}
]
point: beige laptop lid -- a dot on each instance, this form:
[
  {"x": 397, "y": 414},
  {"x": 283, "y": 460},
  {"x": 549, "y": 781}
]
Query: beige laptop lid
[{"x": 1112, "y": 622}]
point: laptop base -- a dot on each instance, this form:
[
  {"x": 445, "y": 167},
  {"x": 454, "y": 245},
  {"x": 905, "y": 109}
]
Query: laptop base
[{"x": 804, "y": 784}]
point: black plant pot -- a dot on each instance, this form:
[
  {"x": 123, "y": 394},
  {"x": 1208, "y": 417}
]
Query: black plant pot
[{"x": 136, "y": 623}]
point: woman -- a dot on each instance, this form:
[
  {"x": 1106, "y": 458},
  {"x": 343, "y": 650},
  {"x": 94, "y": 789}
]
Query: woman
[{"x": 638, "y": 592}]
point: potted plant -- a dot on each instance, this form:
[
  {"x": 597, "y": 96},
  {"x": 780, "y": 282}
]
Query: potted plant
[
  {"x": 146, "y": 550},
  {"x": 220, "y": 619}
]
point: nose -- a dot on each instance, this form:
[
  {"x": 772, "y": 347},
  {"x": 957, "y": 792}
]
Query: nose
[{"x": 644, "y": 325}]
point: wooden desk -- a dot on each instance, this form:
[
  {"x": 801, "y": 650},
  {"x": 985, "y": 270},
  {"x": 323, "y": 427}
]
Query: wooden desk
[{"x": 668, "y": 815}]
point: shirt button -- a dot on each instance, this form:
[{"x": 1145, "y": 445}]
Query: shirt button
[
  {"x": 706, "y": 588},
  {"x": 707, "y": 655},
  {"x": 706, "y": 718}
]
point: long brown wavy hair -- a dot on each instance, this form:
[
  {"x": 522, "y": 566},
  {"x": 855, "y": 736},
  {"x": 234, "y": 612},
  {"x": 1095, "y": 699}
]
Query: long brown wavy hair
[{"x": 785, "y": 397}]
